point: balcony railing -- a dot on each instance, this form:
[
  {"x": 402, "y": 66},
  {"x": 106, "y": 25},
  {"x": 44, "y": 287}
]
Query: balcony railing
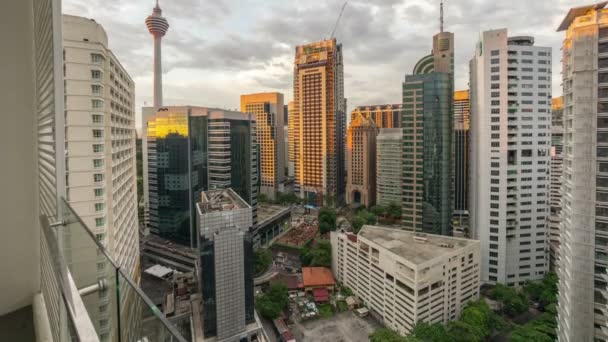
[{"x": 98, "y": 299}]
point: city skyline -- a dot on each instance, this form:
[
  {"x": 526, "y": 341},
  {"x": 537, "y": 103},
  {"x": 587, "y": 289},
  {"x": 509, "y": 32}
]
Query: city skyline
[{"x": 233, "y": 64}]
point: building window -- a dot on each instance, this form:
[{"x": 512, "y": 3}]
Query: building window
[
  {"x": 97, "y": 118},
  {"x": 98, "y": 192},
  {"x": 97, "y": 148},
  {"x": 96, "y": 75},
  {"x": 96, "y": 58},
  {"x": 100, "y": 221},
  {"x": 99, "y": 206},
  {"x": 98, "y": 177},
  {"x": 97, "y": 133},
  {"x": 495, "y": 52},
  {"x": 97, "y": 162}
]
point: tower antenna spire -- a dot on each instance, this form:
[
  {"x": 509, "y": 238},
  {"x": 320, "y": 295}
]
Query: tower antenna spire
[{"x": 440, "y": 16}]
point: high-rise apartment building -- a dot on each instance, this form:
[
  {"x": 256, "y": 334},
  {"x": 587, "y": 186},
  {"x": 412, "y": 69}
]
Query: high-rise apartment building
[
  {"x": 361, "y": 161},
  {"x": 427, "y": 140},
  {"x": 292, "y": 128},
  {"x": 101, "y": 184},
  {"x": 583, "y": 251},
  {"x": 405, "y": 277},
  {"x": 510, "y": 160},
  {"x": 389, "y": 146},
  {"x": 226, "y": 261},
  {"x": 461, "y": 161},
  {"x": 557, "y": 161},
  {"x": 384, "y": 116},
  {"x": 268, "y": 109},
  {"x": 194, "y": 149},
  {"x": 319, "y": 123}
]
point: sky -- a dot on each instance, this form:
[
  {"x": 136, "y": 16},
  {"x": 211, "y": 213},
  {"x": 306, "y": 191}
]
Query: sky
[{"x": 216, "y": 50}]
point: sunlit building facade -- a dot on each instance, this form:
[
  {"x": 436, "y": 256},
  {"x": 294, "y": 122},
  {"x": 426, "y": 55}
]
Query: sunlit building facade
[
  {"x": 583, "y": 250},
  {"x": 268, "y": 110},
  {"x": 361, "y": 162},
  {"x": 384, "y": 116},
  {"x": 557, "y": 162},
  {"x": 319, "y": 123},
  {"x": 191, "y": 150}
]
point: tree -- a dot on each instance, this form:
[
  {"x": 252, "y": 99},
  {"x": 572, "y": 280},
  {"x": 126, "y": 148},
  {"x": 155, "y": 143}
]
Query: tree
[
  {"x": 287, "y": 198},
  {"x": 393, "y": 210},
  {"x": 378, "y": 210},
  {"x": 362, "y": 218},
  {"x": 388, "y": 335},
  {"x": 327, "y": 220},
  {"x": 270, "y": 304},
  {"x": 430, "y": 332},
  {"x": 262, "y": 258},
  {"x": 318, "y": 254},
  {"x": 545, "y": 291},
  {"x": 262, "y": 198},
  {"x": 513, "y": 302}
]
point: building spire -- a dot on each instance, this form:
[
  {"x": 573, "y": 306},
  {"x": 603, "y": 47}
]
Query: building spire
[{"x": 440, "y": 16}]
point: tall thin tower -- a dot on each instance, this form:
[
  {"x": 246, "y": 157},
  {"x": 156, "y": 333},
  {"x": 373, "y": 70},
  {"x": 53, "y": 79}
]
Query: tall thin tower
[{"x": 158, "y": 26}]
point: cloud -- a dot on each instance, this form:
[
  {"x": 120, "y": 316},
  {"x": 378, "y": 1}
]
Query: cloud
[{"x": 246, "y": 46}]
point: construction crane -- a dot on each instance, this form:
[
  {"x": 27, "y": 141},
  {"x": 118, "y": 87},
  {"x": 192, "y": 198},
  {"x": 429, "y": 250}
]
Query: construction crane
[{"x": 338, "y": 21}]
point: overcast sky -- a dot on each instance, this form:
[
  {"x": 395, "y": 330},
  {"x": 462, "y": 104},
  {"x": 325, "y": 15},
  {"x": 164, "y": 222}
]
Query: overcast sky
[{"x": 216, "y": 50}]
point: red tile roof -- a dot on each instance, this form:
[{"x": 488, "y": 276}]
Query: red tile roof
[{"x": 317, "y": 276}]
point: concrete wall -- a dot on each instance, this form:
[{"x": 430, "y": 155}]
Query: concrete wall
[{"x": 20, "y": 242}]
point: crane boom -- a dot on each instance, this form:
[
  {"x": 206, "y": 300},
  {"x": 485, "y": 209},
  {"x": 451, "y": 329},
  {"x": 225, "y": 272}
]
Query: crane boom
[{"x": 338, "y": 21}]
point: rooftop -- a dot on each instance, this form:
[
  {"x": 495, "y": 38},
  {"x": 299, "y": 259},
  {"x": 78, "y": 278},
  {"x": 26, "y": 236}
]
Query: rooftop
[
  {"x": 268, "y": 212},
  {"x": 317, "y": 276},
  {"x": 220, "y": 200},
  {"x": 414, "y": 247},
  {"x": 578, "y": 11}
]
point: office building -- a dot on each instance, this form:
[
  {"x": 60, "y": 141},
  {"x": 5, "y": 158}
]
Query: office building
[
  {"x": 157, "y": 26},
  {"x": 42, "y": 298},
  {"x": 319, "y": 123},
  {"x": 404, "y": 277},
  {"x": 384, "y": 116},
  {"x": 361, "y": 162},
  {"x": 557, "y": 161},
  {"x": 427, "y": 140},
  {"x": 583, "y": 255},
  {"x": 191, "y": 150},
  {"x": 510, "y": 142},
  {"x": 268, "y": 109},
  {"x": 461, "y": 163},
  {"x": 101, "y": 184},
  {"x": 389, "y": 146},
  {"x": 292, "y": 127},
  {"x": 226, "y": 261}
]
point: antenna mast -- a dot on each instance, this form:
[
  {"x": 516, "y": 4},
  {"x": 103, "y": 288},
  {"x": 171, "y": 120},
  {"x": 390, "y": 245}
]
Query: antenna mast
[{"x": 441, "y": 16}]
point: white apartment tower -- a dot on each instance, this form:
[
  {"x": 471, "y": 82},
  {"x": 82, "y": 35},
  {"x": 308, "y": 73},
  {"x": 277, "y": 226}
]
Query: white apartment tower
[
  {"x": 583, "y": 250},
  {"x": 510, "y": 82},
  {"x": 100, "y": 140}
]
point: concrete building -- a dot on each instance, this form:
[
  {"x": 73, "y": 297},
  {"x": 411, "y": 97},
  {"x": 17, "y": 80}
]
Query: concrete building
[
  {"x": 405, "y": 277},
  {"x": 319, "y": 123},
  {"x": 427, "y": 140},
  {"x": 268, "y": 109},
  {"x": 100, "y": 161},
  {"x": 460, "y": 220},
  {"x": 510, "y": 160},
  {"x": 361, "y": 162},
  {"x": 293, "y": 126},
  {"x": 389, "y": 146},
  {"x": 157, "y": 26},
  {"x": 189, "y": 150},
  {"x": 557, "y": 161},
  {"x": 384, "y": 116},
  {"x": 583, "y": 251},
  {"x": 226, "y": 260}
]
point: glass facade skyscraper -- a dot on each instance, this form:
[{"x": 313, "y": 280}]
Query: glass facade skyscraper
[{"x": 191, "y": 150}]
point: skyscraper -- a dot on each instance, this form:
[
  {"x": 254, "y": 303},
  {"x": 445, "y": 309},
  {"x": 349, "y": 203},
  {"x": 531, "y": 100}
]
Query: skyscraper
[
  {"x": 191, "y": 150},
  {"x": 510, "y": 141},
  {"x": 583, "y": 252},
  {"x": 461, "y": 161},
  {"x": 427, "y": 140},
  {"x": 389, "y": 146},
  {"x": 384, "y": 116},
  {"x": 157, "y": 26},
  {"x": 319, "y": 116},
  {"x": 100, "y": 177},
  {"x": 557, "y": 161},
  {"x": 268, "y": 109},
  {"x": 361, "y": 162},
  {"x": 293, "y": 126},
  {"x": 226, "y": 259}
]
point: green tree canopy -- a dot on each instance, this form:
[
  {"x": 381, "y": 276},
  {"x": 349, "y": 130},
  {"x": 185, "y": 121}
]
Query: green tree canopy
[
  {"x": 393, "y": 210},
  {"x": 513, "y": 301},
  {"x": 270, "y": 304},
  {"x": 262, "y": 258},
  {"x": 388, "y": 335},
  {"x": 317, "y": 255},
  {"x": 327, "y": 220},
  {"x": 362, "y": 218}
]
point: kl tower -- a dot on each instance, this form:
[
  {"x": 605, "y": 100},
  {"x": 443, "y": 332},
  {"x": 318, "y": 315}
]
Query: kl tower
[{"x": 158, "y": 26}]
